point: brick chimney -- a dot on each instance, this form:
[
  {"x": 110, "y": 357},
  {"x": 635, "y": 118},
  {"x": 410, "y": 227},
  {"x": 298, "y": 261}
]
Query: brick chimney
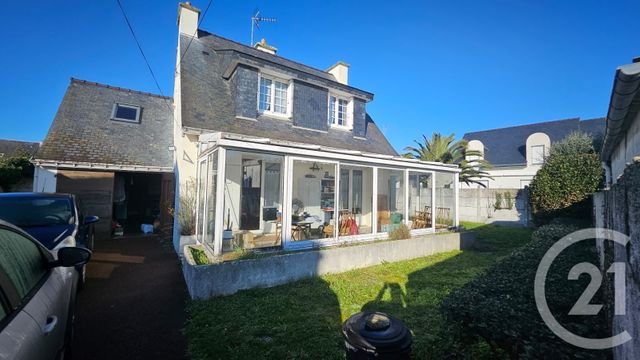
[
  {"x": 263, "y": 46},
  {"x": 340, "y": 71},
  {"x": 188, "y": 16}
]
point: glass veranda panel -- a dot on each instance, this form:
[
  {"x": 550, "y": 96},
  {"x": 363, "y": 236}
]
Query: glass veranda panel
[
  {"x": 420, "y": 204},
  {"x": 445, "y": 200},
  {"x": 201, "y": 190},
  {"x": 253, "y": 200},
  {"x": 390, "y": 199},
  {"x": 210, "y": 212},
  {"x": 313, "y": 200},
  {"x": 356, "y": 200}
]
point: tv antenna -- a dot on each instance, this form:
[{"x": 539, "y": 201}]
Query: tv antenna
[{"x": 256, "y": 19}]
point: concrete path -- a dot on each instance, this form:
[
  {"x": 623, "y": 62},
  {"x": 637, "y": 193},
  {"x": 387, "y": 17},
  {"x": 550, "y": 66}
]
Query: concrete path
[{"x": 133, "y": 306}]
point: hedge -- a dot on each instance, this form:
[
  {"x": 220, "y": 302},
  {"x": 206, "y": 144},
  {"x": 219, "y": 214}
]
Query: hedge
[
  {"x": 564, "y": 185},
  {"x": 498, "y": 308}
]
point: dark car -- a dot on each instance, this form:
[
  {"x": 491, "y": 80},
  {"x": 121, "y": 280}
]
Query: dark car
[{"x": 55, "y": 220}]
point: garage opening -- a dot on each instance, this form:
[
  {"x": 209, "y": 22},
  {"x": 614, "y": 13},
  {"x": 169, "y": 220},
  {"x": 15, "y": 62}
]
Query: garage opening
[{"x": 137, "y": 203}]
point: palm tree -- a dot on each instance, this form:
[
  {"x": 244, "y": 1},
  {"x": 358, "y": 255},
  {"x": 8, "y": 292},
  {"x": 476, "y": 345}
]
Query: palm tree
[{"x": 446, "y": 149}]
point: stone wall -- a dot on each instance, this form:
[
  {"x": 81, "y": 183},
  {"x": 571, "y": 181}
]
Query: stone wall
[
  {"x": 205, "y": 281},
  {"x": 619, "y": 209},
  {"x": 478, "y": 205}
]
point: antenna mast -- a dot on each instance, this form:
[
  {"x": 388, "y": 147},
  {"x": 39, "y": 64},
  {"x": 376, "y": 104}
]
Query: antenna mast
[{"x": 256, "y": 19}]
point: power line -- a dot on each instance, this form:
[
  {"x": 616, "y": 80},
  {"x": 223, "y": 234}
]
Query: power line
[
  {"x": 135, "y": 38},
  {"x": 192, "y": 37}
]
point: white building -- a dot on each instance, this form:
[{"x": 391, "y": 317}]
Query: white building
[{"x": 518, "y": 152}]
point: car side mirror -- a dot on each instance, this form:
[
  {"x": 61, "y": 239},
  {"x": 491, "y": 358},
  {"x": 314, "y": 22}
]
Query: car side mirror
[
  {"x": 90, "y": 219},
  {"x": 72, "y": 256}
]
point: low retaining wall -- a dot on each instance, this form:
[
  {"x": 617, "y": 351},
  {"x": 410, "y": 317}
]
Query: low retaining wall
[{"x": 205, "y": 281}]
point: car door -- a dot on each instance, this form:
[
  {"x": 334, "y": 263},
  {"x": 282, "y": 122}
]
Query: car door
[{"x": 35, "y": 299}]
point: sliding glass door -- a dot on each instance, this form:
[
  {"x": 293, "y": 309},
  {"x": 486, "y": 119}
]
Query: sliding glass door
[
  {"x": 356, "y": 200},
  {"x": 252, "y": 200},
  {"x": 313, "y": 200},
  {"x": 420, "y": 200},
  {"x": 391, "y": 199}
]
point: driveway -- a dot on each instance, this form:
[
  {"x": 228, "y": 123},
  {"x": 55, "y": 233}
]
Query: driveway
[{"x": 133, "y": 305}]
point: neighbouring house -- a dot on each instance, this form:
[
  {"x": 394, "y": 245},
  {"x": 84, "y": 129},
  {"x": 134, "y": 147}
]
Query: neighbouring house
[
  {"x": 518, "y": 152},
  {"x": 286, "y": 156},
  {"x": 113, "y": 148},
  {"x": 617, "y": 207},
  {"x": 12, "y": 147}
]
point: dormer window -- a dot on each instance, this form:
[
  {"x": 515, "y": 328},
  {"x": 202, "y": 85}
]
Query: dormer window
[
  {"x": 537, "y": 156},
  {"x": 339, "y": 112},
  {"x": 124, "y": 112},
  {"x": 273, "y": 96}
]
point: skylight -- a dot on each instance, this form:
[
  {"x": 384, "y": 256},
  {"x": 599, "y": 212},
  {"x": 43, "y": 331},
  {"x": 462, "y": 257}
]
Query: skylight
[{"x": 124, "y": 112}]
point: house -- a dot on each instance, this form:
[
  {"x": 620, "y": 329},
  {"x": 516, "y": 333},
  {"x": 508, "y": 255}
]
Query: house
[
  {"x": 278, "y": 153},
  {"x": 113, "y": 148},
  {"x": 284, "y": 155},
  {"x": 518, "y": 152},
  {"x": 12, "y": 147},
  {"x": 617, "y": 206}
]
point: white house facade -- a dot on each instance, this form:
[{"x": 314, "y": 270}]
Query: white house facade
[{"x": 285, "y": 156}]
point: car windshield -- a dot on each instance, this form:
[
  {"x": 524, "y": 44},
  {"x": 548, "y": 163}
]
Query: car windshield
[{"x": 30, "y": 212}]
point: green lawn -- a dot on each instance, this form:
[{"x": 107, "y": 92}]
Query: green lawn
[{"x": 302, "y": 320}]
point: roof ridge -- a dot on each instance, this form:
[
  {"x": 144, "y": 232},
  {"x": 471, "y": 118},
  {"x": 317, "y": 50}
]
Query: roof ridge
[
  {"x": 594, "y": 119},
  {"x": 22, "y": 141},
  {"x": 524, "y": 125},
  {"x": 93, "y": 83},
  {"x": 252, "y": 48}
]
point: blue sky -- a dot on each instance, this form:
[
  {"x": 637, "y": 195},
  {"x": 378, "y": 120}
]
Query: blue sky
[{"x": 445, "y": 66}]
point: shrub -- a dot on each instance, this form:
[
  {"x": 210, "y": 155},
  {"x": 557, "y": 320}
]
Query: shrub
[
  {"x": 187, "y": 213},
  {"x": 13, "y": 169},
  {"x": 400, "y": 233},
  {"x": 564, "y": 184},
  {"x": 498, "y": 307},
  {"x": 576, "y": 142},
  {"x": 498, "y": 203}
]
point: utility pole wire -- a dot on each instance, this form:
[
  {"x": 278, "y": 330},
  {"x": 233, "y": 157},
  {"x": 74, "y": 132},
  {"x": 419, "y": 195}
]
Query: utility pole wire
[
  {"x": 192, "y": 37},
  {"x": 153, "y": 75}
]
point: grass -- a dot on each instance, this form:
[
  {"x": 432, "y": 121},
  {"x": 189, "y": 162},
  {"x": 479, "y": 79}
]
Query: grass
[{"x": 302, "y": 320}]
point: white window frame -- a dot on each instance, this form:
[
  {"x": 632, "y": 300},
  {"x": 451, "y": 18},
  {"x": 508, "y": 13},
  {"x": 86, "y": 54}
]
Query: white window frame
[
  {"x": 272, "y": 96},
  {"x": 535, "y": 161},
  {"x": 348, "y": 115},
  {"x": 136, "y": 107}
]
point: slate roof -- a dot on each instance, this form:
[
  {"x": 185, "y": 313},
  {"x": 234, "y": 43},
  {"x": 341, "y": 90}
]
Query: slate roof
[
  {"x": 83, "y": 132},
  {"x": 208, "y": 104},
  {"x": 10, "y": 147},
  {"x": 506, "y": 146}
]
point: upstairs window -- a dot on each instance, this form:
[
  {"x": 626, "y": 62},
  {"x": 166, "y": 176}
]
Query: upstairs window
[
  {"x": 537, "y": 154},
  {"x": 339, "y": 112},
  {"x": 273, "y": 96},
  {"x": 128, "y": 113}
]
